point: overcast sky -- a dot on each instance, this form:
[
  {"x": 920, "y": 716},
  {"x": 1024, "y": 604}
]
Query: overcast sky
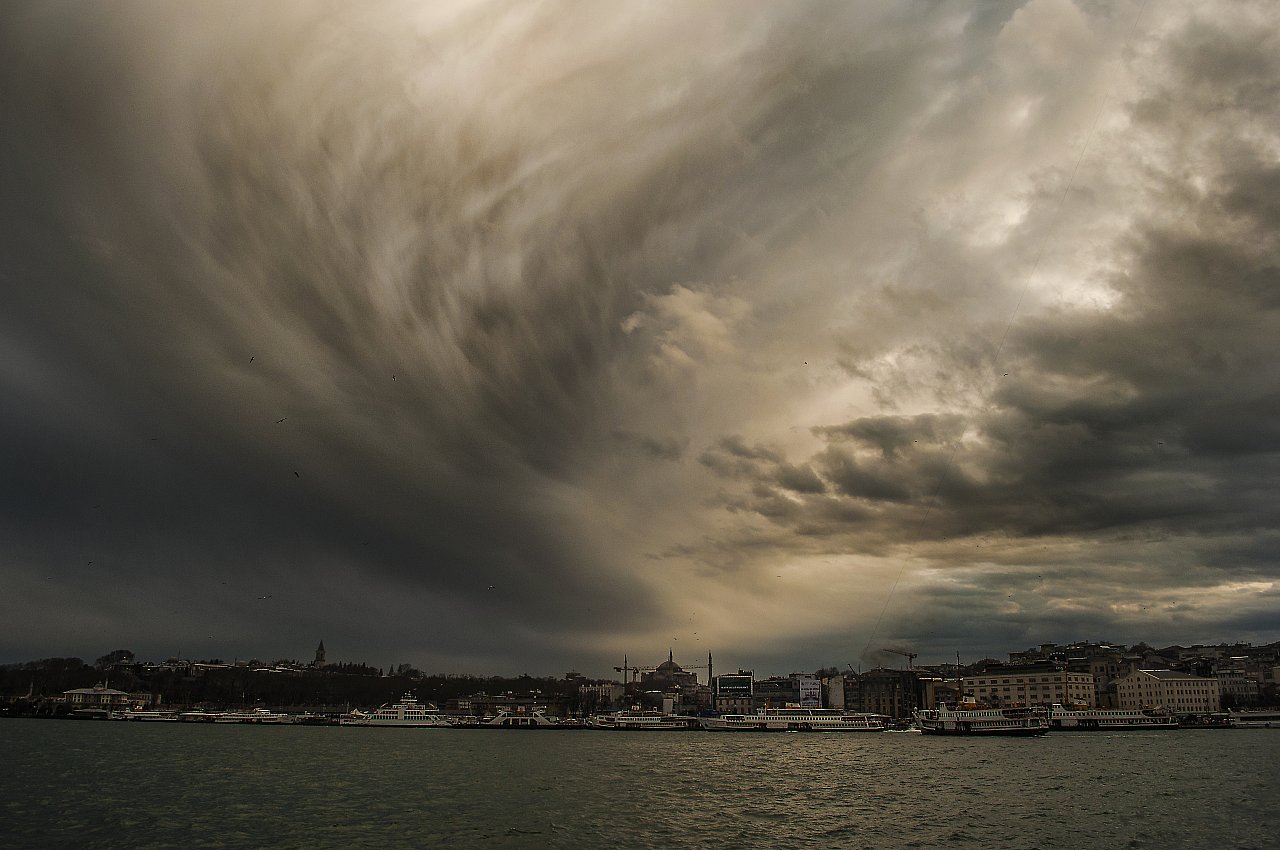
[{"x": 512, "y": 337}]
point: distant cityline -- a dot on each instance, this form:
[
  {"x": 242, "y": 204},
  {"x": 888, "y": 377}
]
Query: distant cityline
[{"x": 629, "y": 671}]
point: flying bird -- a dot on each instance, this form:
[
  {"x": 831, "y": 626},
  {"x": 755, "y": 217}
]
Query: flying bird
[
  {"x": 295, "y": 474},
  {"x": 268, "y": 596},
  {"x": 251, "y": 358},
  {"x": 281, "y": 419}
]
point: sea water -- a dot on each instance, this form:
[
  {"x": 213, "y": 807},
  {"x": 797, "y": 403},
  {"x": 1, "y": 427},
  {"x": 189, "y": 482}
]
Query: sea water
[{"x": 142, "y": 785}]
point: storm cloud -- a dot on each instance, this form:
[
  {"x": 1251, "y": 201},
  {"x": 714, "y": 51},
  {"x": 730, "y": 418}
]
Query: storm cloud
[{"x": 497, "y": 337}]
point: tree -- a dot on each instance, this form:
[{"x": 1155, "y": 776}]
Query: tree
[{"x": 114, "y": 657}]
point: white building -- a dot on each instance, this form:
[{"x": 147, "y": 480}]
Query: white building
[
  {"x": 99, "y": 696},
  {"x": 603, "y": 695}
]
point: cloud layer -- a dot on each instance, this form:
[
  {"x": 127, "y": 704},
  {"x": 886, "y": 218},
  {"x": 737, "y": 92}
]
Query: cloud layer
[{"x": 497, "y": 337}]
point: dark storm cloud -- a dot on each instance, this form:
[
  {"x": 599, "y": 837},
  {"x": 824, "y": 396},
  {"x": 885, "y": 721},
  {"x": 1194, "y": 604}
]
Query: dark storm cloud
[
  {"x": 893, "y": 434},
  {"x": 1161, "y": 413},
  {"x": 733, "y": 456},
  {"x": 274, "y": 318},
  {"x": 659, "y": 448},
  {"x": 801, "y": 479},
  {"x": 432, "y": 325},
  {"x": 237, "y": 356}
]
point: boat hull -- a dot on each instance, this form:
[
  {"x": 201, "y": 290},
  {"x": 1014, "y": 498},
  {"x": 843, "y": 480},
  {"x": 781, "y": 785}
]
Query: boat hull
[
  {"x": 782, "y": 727},
  {"x": 641, "y": 721},
  {"x": 627, "y": 728},
  {"x": 1063, "y": 719},
  {"x": 795, "y": 720},
  {"x": 396, "y": 724},
  {"x": 1013, "y": 732},
  {"x": 985, "y": 723}
]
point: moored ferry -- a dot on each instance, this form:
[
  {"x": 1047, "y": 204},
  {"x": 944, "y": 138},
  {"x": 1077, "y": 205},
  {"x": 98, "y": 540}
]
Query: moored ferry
[
  {"x": 1254, "y": 719},
  {"x": 792, "y": 719},
  {"x": 966, "y": 720},
  {"x": 137, "y": 715},
  {"x": 1108, "y": 720},
  {"x": 536, "y": 719},
  {"x": 254, "y": 715},
  {"x": 636, "y": 720},
  {"x": 407, "y": 712}
]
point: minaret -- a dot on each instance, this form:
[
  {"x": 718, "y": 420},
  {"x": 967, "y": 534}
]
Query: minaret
[
  {"x": 711, "y": 671},
  {"x": 319, "y": 662}
]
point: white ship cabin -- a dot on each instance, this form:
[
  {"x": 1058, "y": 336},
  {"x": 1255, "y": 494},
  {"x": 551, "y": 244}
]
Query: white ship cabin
[{"x": 408, "y": 709}]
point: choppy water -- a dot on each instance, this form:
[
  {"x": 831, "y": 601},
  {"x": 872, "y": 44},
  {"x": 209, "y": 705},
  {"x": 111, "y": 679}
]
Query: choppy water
[{"x": 69, "y": 784}]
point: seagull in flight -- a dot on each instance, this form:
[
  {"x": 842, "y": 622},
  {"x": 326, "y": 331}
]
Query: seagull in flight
[{"x": 281, "y": 419}]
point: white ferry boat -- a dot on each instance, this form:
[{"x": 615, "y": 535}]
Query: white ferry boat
[
  {"x": 637, "y": 720},
  {"x": 795, "y": 720},
  {"x": 407, "y": 712},
  {"x": 967, "y": 720},
  {"x": 141, "y": 715},
  {"x": 254, "y": 715},
  {"x": 1254, "y": 719},
  {"x": 519, "y": 720},
  {"x": 1108, "y": 720}
]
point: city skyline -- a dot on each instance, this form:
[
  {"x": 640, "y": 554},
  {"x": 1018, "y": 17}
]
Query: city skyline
[
  {"x": 637, "y": 666},
  {"x": 511, "y": 335}
]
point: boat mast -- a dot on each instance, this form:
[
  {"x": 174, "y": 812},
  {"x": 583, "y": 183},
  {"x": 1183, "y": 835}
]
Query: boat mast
[{"x": 959, "y": 684}]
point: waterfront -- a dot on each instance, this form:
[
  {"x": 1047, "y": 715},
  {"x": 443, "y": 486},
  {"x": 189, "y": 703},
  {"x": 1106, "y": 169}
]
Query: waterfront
[{"x": 68, "y": 784}]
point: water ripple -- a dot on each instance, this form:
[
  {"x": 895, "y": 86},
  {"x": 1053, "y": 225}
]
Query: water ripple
[{"x": 175, "y": 785}]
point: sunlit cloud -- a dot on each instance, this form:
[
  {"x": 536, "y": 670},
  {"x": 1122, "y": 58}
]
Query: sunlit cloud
[{"x": 517, "y": 337}]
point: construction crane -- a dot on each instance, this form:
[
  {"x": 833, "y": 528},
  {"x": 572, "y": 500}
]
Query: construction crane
[
  {"x": 629, "y": 673},
  {"x": 911, "y": 656}
]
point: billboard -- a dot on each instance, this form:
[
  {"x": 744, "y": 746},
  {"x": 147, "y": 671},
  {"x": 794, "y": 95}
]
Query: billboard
[{"x": 810, "y": 688}]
